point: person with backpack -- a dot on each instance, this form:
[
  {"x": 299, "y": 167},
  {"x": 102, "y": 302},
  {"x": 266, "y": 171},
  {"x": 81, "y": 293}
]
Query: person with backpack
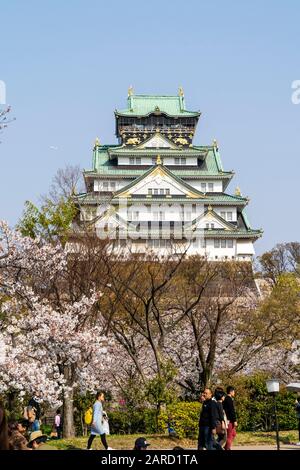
[
  {"x": 33, "y": 411},
  {"x": 97, "y": 428}
]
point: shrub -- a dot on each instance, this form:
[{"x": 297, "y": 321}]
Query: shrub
[
  {"x": 132, "y": 422},
  {"x": 254, "y": 405},
  {"x": 183, "y": 417}
]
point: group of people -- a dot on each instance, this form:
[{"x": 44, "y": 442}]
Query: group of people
[
  {"x": 25, "y": 433},
  {"x": 16, "y": 435},
  {"x": 217, "y": 424},
  {"x": 218, "y": 421}
]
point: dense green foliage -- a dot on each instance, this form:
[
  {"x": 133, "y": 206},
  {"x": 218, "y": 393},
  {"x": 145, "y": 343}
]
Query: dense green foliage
[
  {"x": 183, "y": 418},
  {"x": 50, "y": 222},
  {"x": 255, "y": 406},
  {"x": 132, "y": 422}
]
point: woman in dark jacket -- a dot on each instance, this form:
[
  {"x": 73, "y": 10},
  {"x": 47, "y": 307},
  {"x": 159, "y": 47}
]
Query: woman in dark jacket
[{"x": 221, "y": 426}]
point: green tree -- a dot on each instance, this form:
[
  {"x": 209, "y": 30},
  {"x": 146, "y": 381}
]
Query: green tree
[{"x": 51, "y": 222}]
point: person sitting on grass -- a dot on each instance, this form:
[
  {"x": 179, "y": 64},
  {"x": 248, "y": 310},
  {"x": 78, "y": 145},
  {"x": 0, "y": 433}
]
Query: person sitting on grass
[
  {"x": 16, "y": 434},
  {"x": 171, "y": 430},
  {"x": 37, "y": 441},
  {"x": 141, "y": 444}
]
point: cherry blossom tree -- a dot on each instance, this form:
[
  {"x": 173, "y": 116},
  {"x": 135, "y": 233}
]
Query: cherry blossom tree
[{"x": 52, "y": 345}]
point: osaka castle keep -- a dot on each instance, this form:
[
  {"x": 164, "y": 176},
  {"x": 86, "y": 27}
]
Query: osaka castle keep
[{"x": 155, "y": 190}]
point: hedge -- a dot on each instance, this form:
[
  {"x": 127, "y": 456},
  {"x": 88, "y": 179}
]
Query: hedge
[
  {"x": 132, "y": 422},
  {"x": 183, "y": 417}
]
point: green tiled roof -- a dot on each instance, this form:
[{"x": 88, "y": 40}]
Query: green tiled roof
[
  {"x": 103, "y": 165},
  {"x": 132, "y": 151},
  {"x": 143, "y": 105},
  {"x": 232, "y": 233},
  {"x": 218, "y": 199},
  {"x": 246, "y": 220}
]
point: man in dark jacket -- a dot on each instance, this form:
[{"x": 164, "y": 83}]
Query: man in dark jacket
[
  {"x": 207, "y": 422},
  {"x": 229, "y": 409}
]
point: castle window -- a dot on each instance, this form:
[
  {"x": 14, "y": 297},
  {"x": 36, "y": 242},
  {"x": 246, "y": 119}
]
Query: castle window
[
  {"x": 216, "y": 243},
  {"x": 223, "y": 243},
  {"x": 135, "y": 160},
  {"x": 229, "y": 216},
  {"x": 210, "y": 187},
  {"x": 229, "y": 243},
  {"x": 180, "y": 161},
  {"x": 203, "y": 187}
]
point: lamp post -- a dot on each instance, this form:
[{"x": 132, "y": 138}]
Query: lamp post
[{"x": 273, "y": 389}]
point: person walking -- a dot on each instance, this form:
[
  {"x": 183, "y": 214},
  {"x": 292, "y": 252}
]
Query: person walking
[
  {"x": 207, "y": 422},
  {"x": 97, "y": 428},
  {"x": 229, "y": 409},
  {"x": 219, "y": 397},
  {"x": 58, "y": 424},
  {"x": 297, "y": 407}
]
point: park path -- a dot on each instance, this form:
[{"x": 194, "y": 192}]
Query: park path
[{"x": 267, "y": 447}]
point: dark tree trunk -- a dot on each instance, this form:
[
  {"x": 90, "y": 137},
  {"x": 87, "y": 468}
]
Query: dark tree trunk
[
  {"x": 68, "y": 414},
  {"x": 68, "y": 404}
]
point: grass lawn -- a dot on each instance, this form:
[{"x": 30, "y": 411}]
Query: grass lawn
[{"x": 123, "y": 442}]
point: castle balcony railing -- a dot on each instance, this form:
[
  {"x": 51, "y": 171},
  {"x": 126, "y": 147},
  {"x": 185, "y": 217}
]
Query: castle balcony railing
[{"x": 151, "y": 129}]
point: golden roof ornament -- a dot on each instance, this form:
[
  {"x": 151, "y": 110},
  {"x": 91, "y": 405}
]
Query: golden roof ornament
[
  {"x": 97, "y": 142},
  {"x": 209, "y": 208},
  {"x": 158, "y": 160},
  {"x": 130, "y": 90},
  {"x": 237, "y": 191},
  {"x": 180, "y": 91}
]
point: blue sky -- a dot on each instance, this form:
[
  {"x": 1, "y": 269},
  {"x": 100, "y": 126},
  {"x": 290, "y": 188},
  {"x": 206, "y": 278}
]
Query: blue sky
[{"x": 67, "y": 66}]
